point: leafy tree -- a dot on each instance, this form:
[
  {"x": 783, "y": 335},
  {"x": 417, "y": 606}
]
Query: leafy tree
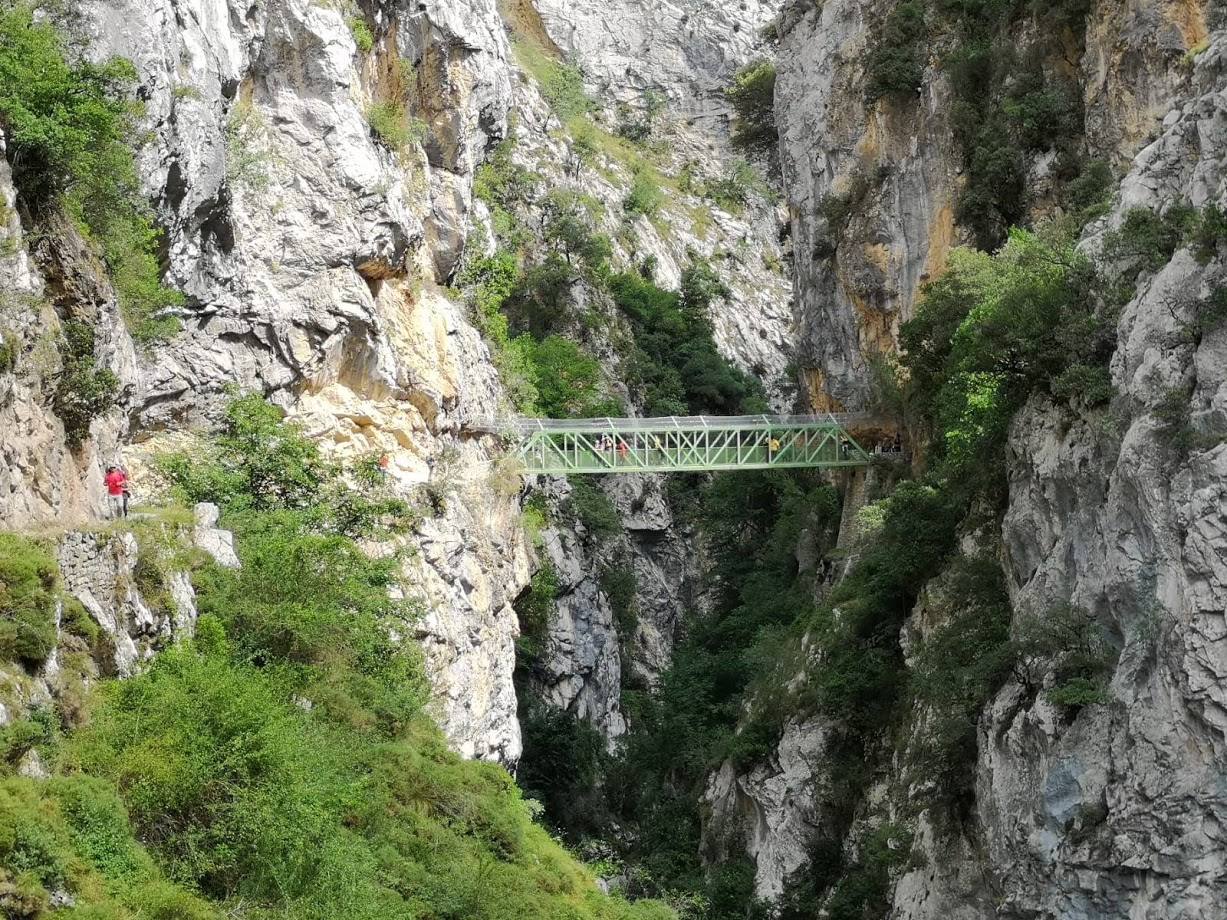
[
  {"x": 994, "y": 329},
  {"x": 752, "y": 94},
  {"x": 896, "y": 61},
  {"x": 569, "y": 382},
  {"x": 68, "y": 125}
]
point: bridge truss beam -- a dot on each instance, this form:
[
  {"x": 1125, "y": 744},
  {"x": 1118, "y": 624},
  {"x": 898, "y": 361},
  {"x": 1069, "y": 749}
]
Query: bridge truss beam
[{"x": 676, "y": 444}]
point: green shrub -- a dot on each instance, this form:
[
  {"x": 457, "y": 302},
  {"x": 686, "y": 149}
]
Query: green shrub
[
  {"x": 1089, "y": 195},
  {"x": 644, "y": 197},
  {"x": 957, "y": 669},
  {"x": 247, "y": 163},
  {"x": 895, "y": 64},
  {"x": 734, "y": 189},
  {"x": 569, "y": 382},
  {"x": 1067, "y": 642},
  {"x": 83, "y": 390},
  {"x": 69, "y": 128},
  {"x": 10, "y": 351},
  {"x": 28, "y": 596},
  {"x": 591, "y": 506},
  {"x": 1209, "y": 232},
  {"x": 363, "y": 37},
  {"x": 752, "y": 94},
  {"x": 1210, "y": 314},
  {"x": 540, "y": 302},
  {"x": 563, "y": 765},
  {"x": 636, "y": 125},
  {"x": 392, "y": 125},
  {"x": 505, "y": 186},
  {"x": 568, "y": 229},
  {"x": 864, "y": 890},
  {"x": 535, "y": 608},
  {"x": 1175, "y": 417},
  {"x": 1146, "y": 241},
  {"x": 619, "y": 584},
  {"x": 72, "y": 833}
]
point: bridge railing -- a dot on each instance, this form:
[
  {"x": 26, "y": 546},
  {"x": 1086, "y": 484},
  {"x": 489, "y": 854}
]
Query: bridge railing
[{"x": 524, "y": 426}]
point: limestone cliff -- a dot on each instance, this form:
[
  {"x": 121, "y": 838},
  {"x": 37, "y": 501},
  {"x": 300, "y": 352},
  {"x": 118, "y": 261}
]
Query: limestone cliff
[{"x": 1112, "y": 813}]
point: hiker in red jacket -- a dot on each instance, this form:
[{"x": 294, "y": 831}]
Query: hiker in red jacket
[{"x": 117, "y": 491}]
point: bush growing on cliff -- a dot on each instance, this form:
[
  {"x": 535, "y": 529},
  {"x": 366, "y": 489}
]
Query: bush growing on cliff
[
  {"x": 995, "y": 329},
  {"x": 392, "y": 124},
  {"x": 363, "y": 37},
  {"x": 591, "y": 506},
  {"x": 752, "y": 94},
  {"x": 83, "y": 390},
  {"x": 69, "y": 126},
  {"x": 562, "y": 87},
  {"x": 895, "y": 65},
  {"x": 958, "y": 668},
  {"x": 644, "y": 197}
]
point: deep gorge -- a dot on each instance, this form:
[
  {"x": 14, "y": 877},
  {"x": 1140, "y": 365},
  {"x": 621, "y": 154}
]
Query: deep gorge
[{"x": 279, "y": 259}]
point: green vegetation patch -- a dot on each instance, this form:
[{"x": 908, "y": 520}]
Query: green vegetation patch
[
  {"x": 29, "y": 579},
  {"x": 752, "y": 94},
  {"x": 70, "y": 126},
  {"x": 280, "y": 764},
  {"x": 84, "y": 391}
]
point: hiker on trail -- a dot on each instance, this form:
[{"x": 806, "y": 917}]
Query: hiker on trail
[
  {"x": 898, "y": 443},
  {"x": 384, "y": 460},
  {"x": 117, "y": 492}
]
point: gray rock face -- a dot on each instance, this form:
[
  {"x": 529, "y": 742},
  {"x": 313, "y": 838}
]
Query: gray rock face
[
  {"x": 99, "y": 570},
  {"x": 581, "y": 668},
  {"x": 285, "y": 213},
  {"x": 688, "y": 50},
  {"x": 774, "y": 812},
  {"x": 40, "y": 477},
  {"x": 587, "y": 655},
  {"x": 1138, "y": 59},
  {"x": 213, "y": 540},
  {"x": 897, "y": 166},
  {"x": 1117, "y": 813}
]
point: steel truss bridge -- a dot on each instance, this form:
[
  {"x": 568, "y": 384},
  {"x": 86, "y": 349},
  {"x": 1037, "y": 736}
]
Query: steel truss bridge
[{"x": 682, "y": 444}]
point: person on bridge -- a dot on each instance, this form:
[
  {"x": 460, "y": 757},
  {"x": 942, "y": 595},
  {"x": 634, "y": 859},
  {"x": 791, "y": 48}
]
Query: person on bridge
[
  {"x": 622, "y": 450},
  {"x": 117, "y": 492},
  {"x": 773, "y": 447}
]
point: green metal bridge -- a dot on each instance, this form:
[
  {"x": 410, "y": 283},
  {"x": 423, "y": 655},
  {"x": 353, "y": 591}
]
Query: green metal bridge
[{"x": 682, "y": 444}]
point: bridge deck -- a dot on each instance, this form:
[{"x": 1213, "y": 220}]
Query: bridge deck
[{"x": 681, "y": 444}]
